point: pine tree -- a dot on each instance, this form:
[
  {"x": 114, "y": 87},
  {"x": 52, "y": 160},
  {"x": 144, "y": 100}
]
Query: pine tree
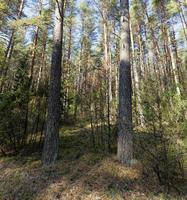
[
  {"x": 51, "y": 142},
  {"x": 125, "y": 128}
]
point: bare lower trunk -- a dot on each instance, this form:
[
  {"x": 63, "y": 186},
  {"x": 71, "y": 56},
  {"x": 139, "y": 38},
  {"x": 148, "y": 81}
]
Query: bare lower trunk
[
  {"x": 125, "y": 129},
  {"x": 108, "y": 66},
  {"x": 51, "y": 142}
]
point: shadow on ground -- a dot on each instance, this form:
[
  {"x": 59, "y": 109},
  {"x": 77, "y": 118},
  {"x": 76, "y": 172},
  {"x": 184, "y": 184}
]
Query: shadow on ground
[{"x": 80, "y": 173}]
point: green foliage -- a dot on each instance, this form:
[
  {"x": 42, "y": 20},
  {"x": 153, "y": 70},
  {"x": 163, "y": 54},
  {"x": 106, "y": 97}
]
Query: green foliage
[
  {"x": 3, "y": 6},
  {"x": 161, "y": 141},
  {"x": 163, "y": 144},
  {"x": 26, "y": 22},
  {"x": 12, "y": 109},
  {"x": 2, "y": 54},
  {"x": 173, "y": 8}
]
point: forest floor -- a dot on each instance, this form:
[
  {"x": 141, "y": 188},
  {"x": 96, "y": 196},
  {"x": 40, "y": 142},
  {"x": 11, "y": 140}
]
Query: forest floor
[{"x": 80, "y": 174}]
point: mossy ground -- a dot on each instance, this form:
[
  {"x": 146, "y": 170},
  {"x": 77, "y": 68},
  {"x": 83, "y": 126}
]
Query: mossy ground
[{"x": 80, "y": 173}]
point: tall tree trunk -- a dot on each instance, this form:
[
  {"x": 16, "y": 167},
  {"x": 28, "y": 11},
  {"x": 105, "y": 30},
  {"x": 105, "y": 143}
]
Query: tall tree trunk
[
  {"x": 108, "y": 66},
  {"x": 125, "y": 132},
  {"x": 33, "y": 57},
  {"x": 169, "y": 47},
  {"x": 51, "y": 142},
  {"x": 182, "y": 18},
  {"x": 174, "y": 63},
  {"x": 66, "y": 74},
  {"x": 40, "y": 73},
  {"x": 9, "y": 50},
  {"x": 31, "y": 74},
  {"x": 136, "y": 83},
  {"x": 10, "y": 46}
]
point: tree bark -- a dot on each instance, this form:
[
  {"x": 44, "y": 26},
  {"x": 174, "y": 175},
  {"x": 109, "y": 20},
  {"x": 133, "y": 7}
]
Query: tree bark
[
  {"x": 182, "y": 17},
  {"x": 10, "y": 47},
  {"x": 137, "y": 83},
  {"x": 9, "y": 50},
  {"x": 174, "y": 64},
  {"x": 108, "y": 66},
  {"x": 51, "y": 141},
  {"x": 125, "y": 128},
  {"x": 40, "y": 73}
]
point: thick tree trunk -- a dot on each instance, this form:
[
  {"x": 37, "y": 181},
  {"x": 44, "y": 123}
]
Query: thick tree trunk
[
  {"x": 51, "y": 142},
  {"x": 125, "y": 132}
]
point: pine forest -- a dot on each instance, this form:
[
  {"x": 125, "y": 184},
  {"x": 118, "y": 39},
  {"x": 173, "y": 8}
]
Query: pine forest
[{"x": 93, "y": 99}]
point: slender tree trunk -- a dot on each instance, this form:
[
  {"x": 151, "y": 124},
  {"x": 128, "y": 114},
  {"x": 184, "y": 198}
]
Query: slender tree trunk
[
  {"x": 182, "y": 18},
  {"x": 9, "y": 50},
  {"x": 108, "y": 66},
  {"x": 169, "y": 48},
  {"x": 31, "y": 74},
  {"x": 40, "y": 73},
  {"x": 160, "y": 59},
  {"x": 137, "y": 83},
  {"x": 67, "y": 75},
  {"x": 33, "y": 57},
  {"x": 183, "y": 25},
  {"x": 107, "y": 58},
  {"x": 51, "y": 142},
  {"x": 125, "y": 128},
  {"x": 174, "y": 63}
]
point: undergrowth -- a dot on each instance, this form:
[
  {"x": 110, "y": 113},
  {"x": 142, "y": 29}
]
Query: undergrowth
[{"x": 81, "y": 172}]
